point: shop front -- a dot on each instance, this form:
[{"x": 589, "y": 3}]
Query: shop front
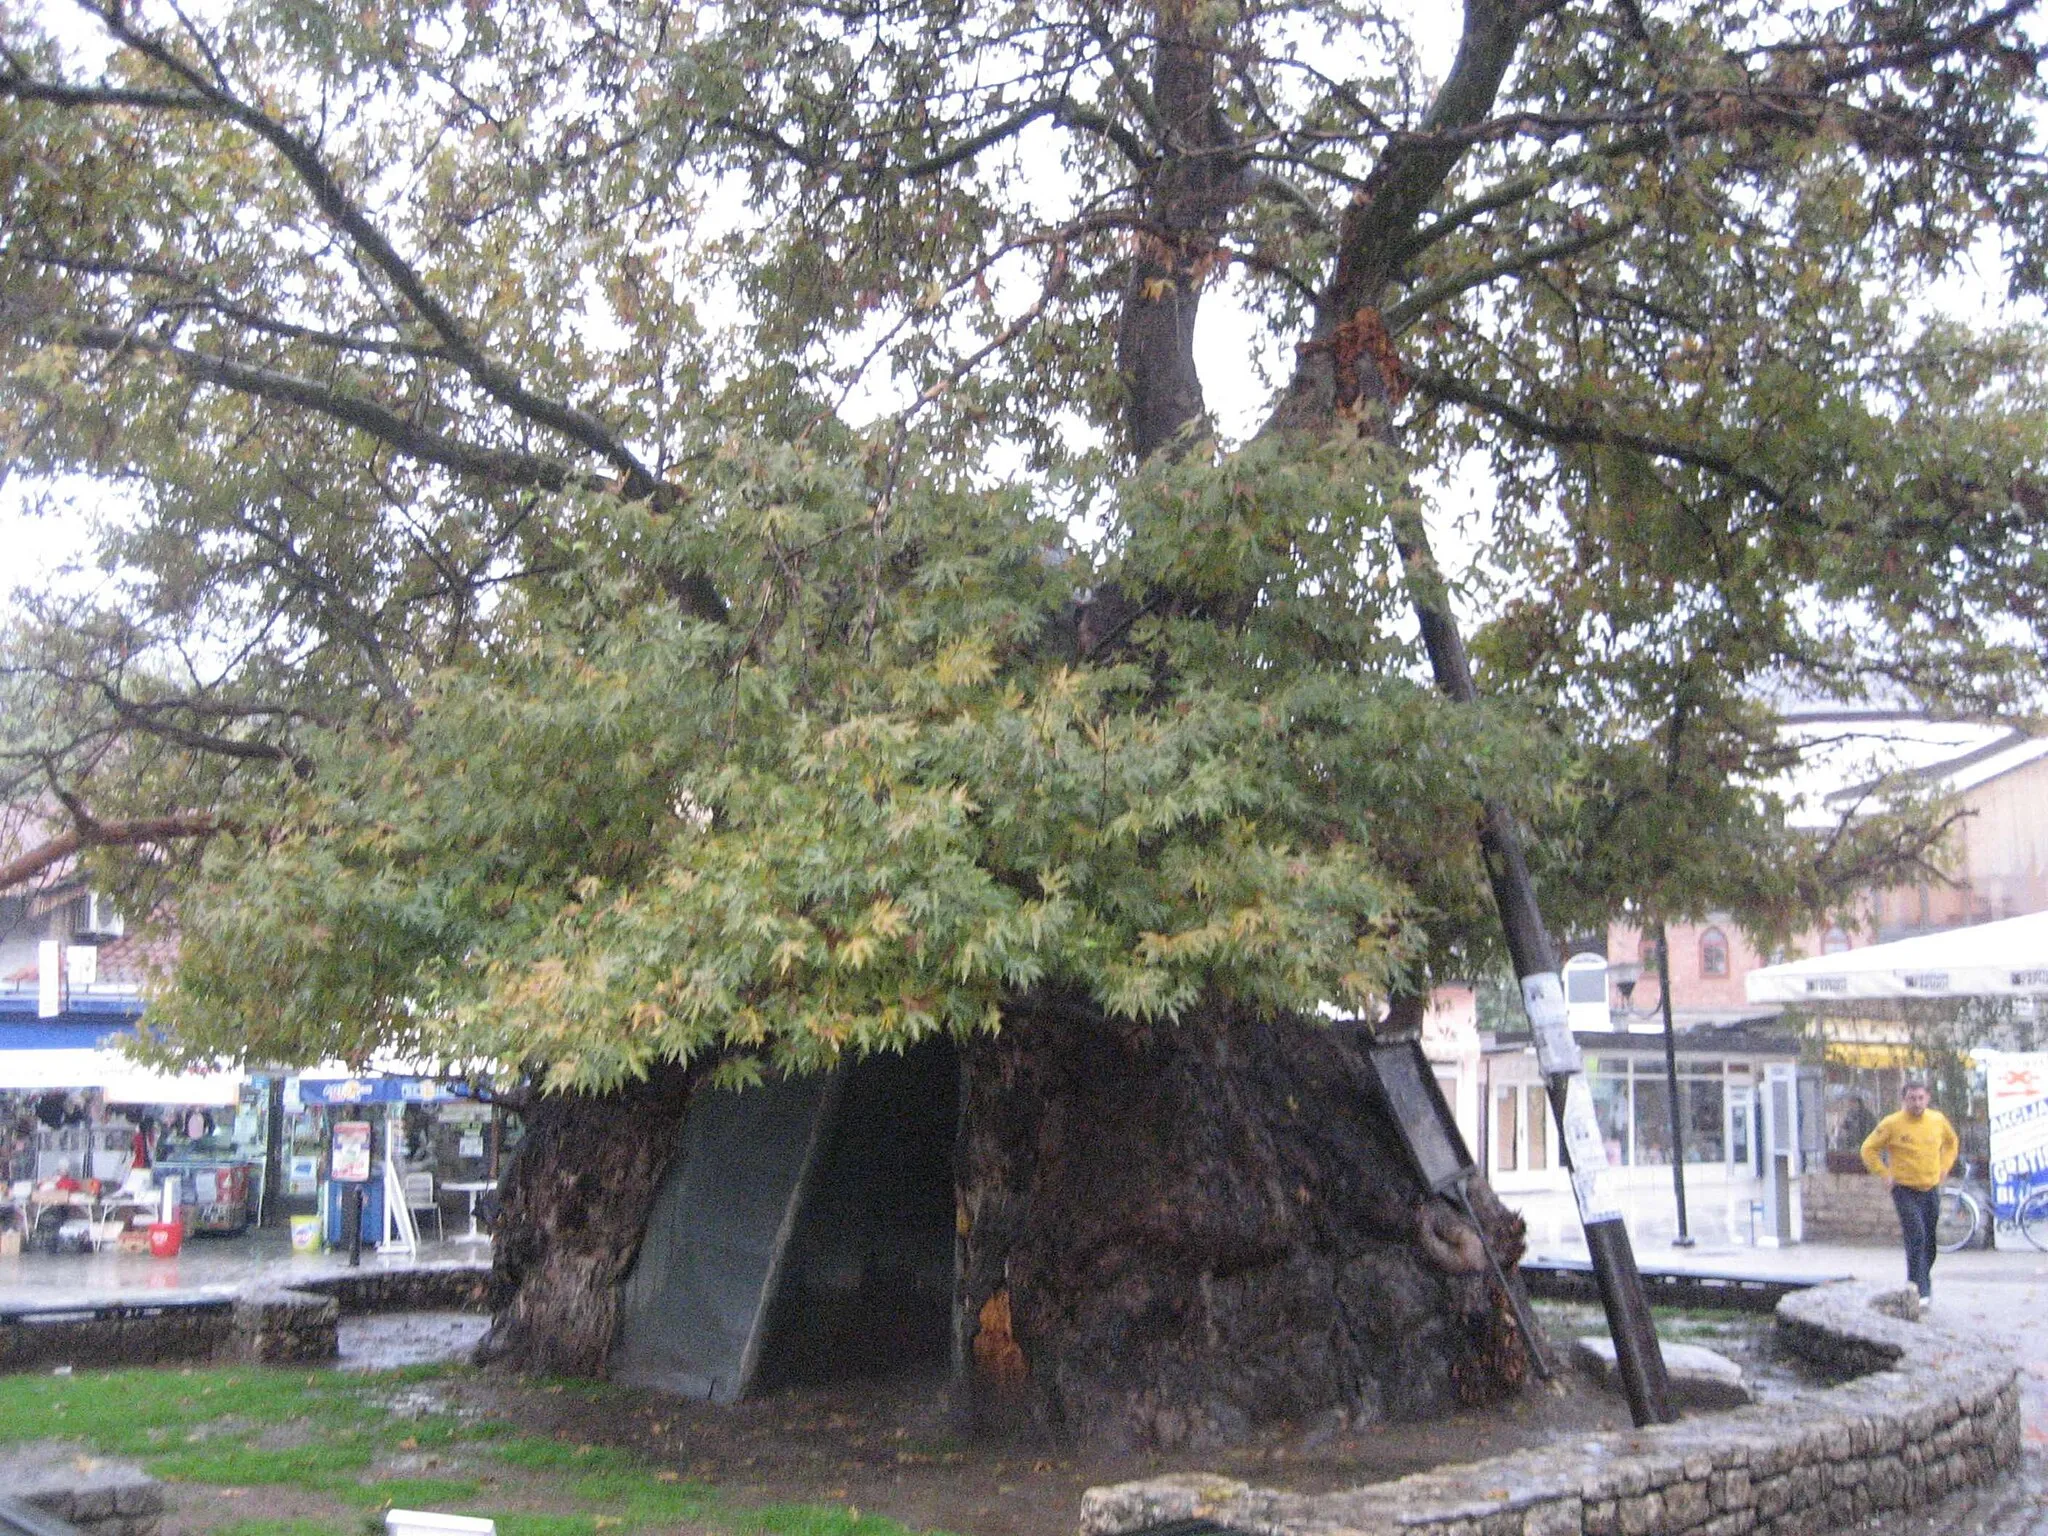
[
  {"x": 96, "y": 1147},
  {"x": 417, "y": 1144},
  {"x": 1745, "y": 1110}
]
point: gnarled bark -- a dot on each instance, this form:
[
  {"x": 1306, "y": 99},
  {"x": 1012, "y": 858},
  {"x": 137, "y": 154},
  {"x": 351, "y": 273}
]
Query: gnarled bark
[
  {"x": 1173, "y": 1233},
  {"x": 576, "y": 1199}
]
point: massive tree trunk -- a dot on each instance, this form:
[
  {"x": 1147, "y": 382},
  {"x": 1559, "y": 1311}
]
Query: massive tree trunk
[
  {"x": 1172, "y": 1233},
  {"x": 576, "y": 1199},
  {"x": 1167, "y": 1234}
]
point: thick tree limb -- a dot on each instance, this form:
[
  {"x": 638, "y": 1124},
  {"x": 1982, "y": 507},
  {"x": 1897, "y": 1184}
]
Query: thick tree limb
[
  {"x": 1581, "y": 432},
  {"x": 1413, "y": 171},
  {"x": 498, "y": 466},
  {"x": 89, "y": 833}
]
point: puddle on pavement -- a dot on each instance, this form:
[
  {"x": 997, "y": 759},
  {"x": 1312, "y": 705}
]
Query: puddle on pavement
[{"x": 386, "y": 1340}]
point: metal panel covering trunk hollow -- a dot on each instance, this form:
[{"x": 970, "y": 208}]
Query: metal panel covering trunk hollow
[{"x": 696, "y": 1304}]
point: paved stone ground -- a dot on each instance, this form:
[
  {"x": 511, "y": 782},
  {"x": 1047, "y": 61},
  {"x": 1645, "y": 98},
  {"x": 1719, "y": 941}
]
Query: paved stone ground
[{"x": 2014, "y": 1506}]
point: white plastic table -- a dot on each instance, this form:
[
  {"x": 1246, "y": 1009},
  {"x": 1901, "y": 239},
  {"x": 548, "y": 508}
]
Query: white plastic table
[{"x": 472, "y": 1188}]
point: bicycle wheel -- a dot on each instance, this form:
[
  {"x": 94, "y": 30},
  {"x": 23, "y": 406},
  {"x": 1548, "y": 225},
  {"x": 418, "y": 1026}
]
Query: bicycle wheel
[
  {"x": 2032, "y": 1219},
  {"x": 1961, "y": 1217}
]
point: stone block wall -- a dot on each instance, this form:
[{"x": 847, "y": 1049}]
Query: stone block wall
[
  {"x": 283, "y": 1327},
  {"x": 100, "y": 1498},
  {"x": 1889, "y": 1440},
  {"x": 420, "y": 1288},
  {"x": 1847, "y": 1208},
  {"x": 173, "y": 1334}
]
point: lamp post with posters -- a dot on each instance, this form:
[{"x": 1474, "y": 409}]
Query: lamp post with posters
[{"x": 1625, "y": 976}]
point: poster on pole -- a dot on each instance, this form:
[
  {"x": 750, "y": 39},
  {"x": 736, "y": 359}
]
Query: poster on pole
[
  {"x": 2016, "y": 1083},
  {"x": 351, "y": 1157}
]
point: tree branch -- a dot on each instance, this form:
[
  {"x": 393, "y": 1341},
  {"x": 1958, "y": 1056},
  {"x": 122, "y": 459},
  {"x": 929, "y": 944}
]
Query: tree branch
[
  {"x": 149, "y": 717},
  {"x": 1584, "y": 433},
  {"x": 498, "y": 466},
  {"x": 89, "y": 833},
  {"x": 1418, "y": 303}
]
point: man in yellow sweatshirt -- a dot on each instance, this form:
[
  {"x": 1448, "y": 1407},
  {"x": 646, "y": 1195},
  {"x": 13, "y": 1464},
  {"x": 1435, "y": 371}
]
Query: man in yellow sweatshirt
[{"x": 1913, "y": 1149}]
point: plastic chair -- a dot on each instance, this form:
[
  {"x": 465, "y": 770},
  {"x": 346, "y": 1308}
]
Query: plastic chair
[{"x": 419, "y": 1196}]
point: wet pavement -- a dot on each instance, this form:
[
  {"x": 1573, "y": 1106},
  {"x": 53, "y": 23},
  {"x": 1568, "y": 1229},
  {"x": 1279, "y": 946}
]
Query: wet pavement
[
  {"x": 387, "y": 1341},
  {"x": 204, "y": 1266}
]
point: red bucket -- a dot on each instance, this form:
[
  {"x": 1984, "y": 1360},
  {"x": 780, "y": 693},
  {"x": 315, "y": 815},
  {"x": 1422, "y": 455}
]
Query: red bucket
[{"x": 165, "y": 1238}]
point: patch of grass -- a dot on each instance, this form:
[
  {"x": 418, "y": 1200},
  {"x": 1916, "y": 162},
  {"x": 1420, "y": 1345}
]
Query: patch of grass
[
  {"x": 547, "y": 1525},
  {"x": 637, "y": 1497},
  {"x": 536, "y": 1455},
  {"x": 135, "y": 1412},
  {"x": 316, "y": 1466}
]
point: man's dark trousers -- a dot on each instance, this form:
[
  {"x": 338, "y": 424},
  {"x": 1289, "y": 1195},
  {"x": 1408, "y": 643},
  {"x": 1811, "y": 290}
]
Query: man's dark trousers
[{"x": 1919, "y": 1210}]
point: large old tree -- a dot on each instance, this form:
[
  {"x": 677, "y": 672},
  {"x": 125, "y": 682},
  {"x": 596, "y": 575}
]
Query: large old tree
[{"x": 644, "y": 543}]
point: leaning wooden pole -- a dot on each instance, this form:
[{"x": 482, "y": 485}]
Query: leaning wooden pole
[{"x": 1638, "y": 1357}]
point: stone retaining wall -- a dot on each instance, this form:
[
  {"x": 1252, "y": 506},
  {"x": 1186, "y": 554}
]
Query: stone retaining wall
[
  {"x": 283, "y": 1327},
  {"x": 1793, "y": 1467},
  {"x": 423, "y": 1288},
  {"x": 1847, "y": 1208},
  {"x": 264, "y": 1324},
  {"x": 100, "y": 1498},
  {"x": 173, "y": 1335}
]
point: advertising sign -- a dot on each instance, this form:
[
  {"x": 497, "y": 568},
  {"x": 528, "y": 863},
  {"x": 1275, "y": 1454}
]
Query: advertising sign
[
  {"x": 351, "y": 1163},
  {"x": 2017, "y": 1084},
  {"x": 377, "y": 1090}
]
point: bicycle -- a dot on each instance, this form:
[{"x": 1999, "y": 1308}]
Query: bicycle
[
  {"x": 2032, "y": 1217},
  {"x": 1962, "y": 1218}
]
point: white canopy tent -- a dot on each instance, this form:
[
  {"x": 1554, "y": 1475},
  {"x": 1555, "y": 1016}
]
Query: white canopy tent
[{"x": 2002, "y": 959}]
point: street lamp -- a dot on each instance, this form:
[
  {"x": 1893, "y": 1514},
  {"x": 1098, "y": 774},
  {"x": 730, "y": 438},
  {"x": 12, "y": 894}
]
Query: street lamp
[{"x": 1625, "y": 976}]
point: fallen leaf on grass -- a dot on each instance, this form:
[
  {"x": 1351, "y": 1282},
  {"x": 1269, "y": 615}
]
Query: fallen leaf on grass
[{"x": 667, "y": 1475}]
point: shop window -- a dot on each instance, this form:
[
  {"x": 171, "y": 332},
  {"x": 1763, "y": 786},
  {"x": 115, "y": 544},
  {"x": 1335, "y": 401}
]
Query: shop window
[
  {"x": 1585, "y": 983},
  {"x": 1610, "y": 1108},
  {"x": 1649, "y": 956},
  {"x": 1505, "y": 1129},
  {"x": 1702, "y": 1100},
  {"x": 1713, "y": 953},
  {"x": 1653, "y": 1122},
  {"x": 1539, "y": 1130}
]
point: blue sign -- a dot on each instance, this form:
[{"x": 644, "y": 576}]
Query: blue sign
[{"x": 380, "y": 1090}]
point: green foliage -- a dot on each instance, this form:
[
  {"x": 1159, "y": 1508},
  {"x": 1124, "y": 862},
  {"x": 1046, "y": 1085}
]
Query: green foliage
[{"x": 619, "y": 499}]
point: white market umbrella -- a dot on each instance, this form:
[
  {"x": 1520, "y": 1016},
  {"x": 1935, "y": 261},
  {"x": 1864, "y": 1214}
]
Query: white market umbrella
[{"x": 2003, "y": 959}]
